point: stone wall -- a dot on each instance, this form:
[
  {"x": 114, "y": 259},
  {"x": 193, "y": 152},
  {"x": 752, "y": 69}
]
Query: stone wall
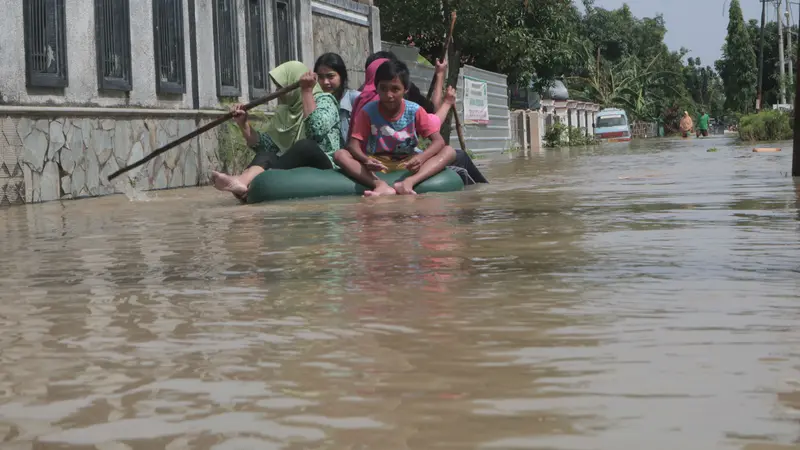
[
  {"x": 348, "y": 28},
  {"x": 51, "y": 158},
  {"x": 350, "y": 41}
]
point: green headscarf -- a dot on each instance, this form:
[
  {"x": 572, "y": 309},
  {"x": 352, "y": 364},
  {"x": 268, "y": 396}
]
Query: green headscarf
[{"x": 288, "y": 124}]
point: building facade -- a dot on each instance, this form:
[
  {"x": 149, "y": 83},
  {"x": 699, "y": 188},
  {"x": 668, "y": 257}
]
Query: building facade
[{"x": 89, "y": 86}]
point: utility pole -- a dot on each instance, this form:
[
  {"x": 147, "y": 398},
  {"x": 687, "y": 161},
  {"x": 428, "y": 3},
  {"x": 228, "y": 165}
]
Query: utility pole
[
  {"x": 781, "y": 60},
  {"x": 761, "y": 55},
  {"x": 790, "y": 79},
  {"x": 796, "y": 143}
]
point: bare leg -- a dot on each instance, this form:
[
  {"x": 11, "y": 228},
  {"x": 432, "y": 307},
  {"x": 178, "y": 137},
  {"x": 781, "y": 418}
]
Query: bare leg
[
  {"x": 355, "y": 169},
  {"x": 228, "y": 183},
  {"x": 431, "y": 167},
  {"x": 237, "y": 185},
  {"x": 249, "y": 174}
]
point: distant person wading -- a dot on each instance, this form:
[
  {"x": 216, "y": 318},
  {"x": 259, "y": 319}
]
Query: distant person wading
[
  {"x": 702, "y": 124},
  {"x": 686, "y": 124}
]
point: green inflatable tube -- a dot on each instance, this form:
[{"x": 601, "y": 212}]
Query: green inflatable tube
[{"x": 307, "y": 182}]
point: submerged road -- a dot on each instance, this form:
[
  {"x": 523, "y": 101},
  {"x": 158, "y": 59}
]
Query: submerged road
[{"x": 628, "y": 296}]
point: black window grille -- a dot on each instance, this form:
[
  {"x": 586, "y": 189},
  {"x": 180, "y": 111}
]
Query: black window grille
[
  {"x": 257, "y": 50},
  {"x": 226, "y": 48},
  {"x": 284, "y": 31},
  {"x": 45, "y": 43},
  {"x": 113, "y": 38},
  {"x": 168, "y": 46}
]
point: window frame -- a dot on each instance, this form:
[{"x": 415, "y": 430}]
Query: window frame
[
  {"x": 294, "y": 38},
  {"x": 222, "y": 89},
  {"x": 251, "y": 50},
  {"x": 112, "y": 83},
  {"x": 39, "y": 79},
  {"x": 169, "y": 87}
]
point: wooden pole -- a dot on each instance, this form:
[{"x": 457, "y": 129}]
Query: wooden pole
[
  {"x": 447, "y": 42},
  {"x": 445, "y": 51},
  {"x": 761, "y": 57},
  {"x": 204, "y": 128},
  {"x": 796, "y": 141},
  {"x": 460, "y": 133}
]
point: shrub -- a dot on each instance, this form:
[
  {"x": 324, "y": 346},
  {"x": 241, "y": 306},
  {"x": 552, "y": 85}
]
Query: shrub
[
  {"x": 769, "y": 125},
  {"x": 554, "y": 136},
  {"x": 578, "y": 137}
]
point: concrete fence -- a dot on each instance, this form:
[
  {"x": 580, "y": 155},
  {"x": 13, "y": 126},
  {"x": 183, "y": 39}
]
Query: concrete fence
[{"x": 528, "y": 127}]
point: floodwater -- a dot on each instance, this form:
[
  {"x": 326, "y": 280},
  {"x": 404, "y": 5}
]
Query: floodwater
[{"x": 631, "y": 296}]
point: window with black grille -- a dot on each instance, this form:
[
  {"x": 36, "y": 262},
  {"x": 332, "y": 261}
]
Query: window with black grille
[
  {"x": 226, "y": 46},
  {"x": 285, "y": 36},
  {"x": 45, "y": 43},
  {"x": 257, "y": 49},
  {"x": 113, "y": 38},
  {"x": 168, "y": 46}
]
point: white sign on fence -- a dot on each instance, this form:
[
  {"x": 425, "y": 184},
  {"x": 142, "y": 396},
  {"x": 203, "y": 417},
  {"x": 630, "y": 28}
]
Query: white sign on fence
[{"x": 476, "y": 102}]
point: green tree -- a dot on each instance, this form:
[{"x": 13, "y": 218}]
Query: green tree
[
  {"x": 738, "y": 68},
  {"x": 620, "y": 60},
  {"x": 705, "y": 87},
  {"x": 520, "y": 38},
  {"x": 524, "y": 39},
  {"x": 771, "y": 76}
]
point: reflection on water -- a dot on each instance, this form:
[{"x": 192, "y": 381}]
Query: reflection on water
[{"x": 627, "y": 296}]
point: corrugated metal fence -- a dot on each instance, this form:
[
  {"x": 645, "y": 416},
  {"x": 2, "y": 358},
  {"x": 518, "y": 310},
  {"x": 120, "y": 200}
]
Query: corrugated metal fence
[{"x": 496, "y": 136}]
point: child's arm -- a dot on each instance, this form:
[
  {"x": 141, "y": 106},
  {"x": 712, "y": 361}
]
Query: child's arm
[
  {"x": 437, "y": 143},
  {"x": 449, "y": 101},
  {"x": 441, "y": 69},
  {"x": 359, "y": 132},
  {"x": 426, "y": 128},
  {"x": 354, "y": 147}
]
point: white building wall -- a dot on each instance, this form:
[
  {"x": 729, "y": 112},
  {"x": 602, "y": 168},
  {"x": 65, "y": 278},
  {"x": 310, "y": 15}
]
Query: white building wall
[{"x": 59, "y": 143}]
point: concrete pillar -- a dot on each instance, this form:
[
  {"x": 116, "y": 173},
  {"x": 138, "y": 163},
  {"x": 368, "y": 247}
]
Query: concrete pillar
[
  {"x": 588, "y": 128},
  {"x": 374, "y": 27},
  {"x": 522, "y": 132},
  {"x": 535, "y": 127}
]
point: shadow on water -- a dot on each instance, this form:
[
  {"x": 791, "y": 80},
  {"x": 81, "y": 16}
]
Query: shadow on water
[{"x": 619, "y": 296}]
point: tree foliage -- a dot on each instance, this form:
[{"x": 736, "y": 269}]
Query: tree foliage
[
  {"x": 705, "y": 87},
  {"x": 519, "y": 38},
  {"x": 771, "y": 76},
  {"x": 620, "y": 60},
  {"x": 606, "y": 56},
  {"x": 738, "y": 68}
]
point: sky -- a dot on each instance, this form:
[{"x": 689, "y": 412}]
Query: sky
[{"x": 698, "y": 25}]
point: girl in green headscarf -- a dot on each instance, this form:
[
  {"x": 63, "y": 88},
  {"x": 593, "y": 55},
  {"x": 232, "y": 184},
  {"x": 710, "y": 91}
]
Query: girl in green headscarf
[{"x": 304, "y": 131}]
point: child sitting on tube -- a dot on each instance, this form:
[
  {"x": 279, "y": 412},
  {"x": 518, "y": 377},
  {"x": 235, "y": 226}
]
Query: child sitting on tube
[{"x": 389, "y": 130}]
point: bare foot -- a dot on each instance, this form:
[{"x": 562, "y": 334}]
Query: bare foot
[
  {"x": 228, "y": 183},
  {"x": 404, "y": 188},
  {"x": 381, "y": 189}
]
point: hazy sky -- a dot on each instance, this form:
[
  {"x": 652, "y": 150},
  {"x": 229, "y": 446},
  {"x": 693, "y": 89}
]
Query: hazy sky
[{"x": 698, "y": 25}]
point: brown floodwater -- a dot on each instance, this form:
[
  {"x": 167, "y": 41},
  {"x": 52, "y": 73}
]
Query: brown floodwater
[{"x": 630, "y": 296}]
